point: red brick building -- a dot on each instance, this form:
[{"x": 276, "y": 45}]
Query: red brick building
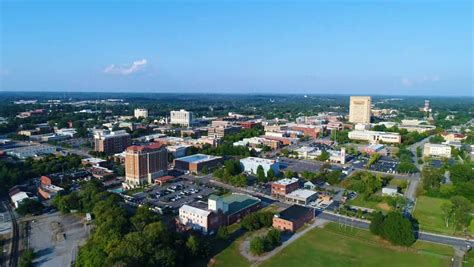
[
  {"x": 292, "y": 218},
  {"x": 284, "y": 186}
]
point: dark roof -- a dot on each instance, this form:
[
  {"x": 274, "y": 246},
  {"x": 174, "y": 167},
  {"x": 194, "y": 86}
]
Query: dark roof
[{"x": 294, "y": 212}]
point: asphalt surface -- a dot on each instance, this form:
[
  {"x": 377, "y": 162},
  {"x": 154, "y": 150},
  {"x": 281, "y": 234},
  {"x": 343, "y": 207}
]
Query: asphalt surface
[{"x": 434, "y": 238}]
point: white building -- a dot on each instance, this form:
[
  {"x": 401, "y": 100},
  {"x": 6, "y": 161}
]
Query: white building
[
  {"x": 69, "y": 132},
  {"x": 436, "y": 150},
  {"x": 375, "y": 136},
  {"x": 251, "y": 164},
  {"x": 181, "y": 117},
  {"x": 301, "y": 196},
  {"x": 390, "y": 191},
  {"x": 195, "y": 218},
  {"x": 31, "y": 151},
  {"x": 19, "y": 197},
  {"x": 140, "y": 113}
]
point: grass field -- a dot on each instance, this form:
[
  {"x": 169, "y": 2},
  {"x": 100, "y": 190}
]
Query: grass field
[
  {"x": 360, "y": 202},
  {"x": 333, "y": 246},
  {"x": 429, "y": 215},
  {"x": 469, "y": 259}
]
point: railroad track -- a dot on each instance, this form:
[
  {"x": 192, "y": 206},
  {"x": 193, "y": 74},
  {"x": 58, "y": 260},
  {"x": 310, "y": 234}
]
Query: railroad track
[{"x": 13, "y": 261}]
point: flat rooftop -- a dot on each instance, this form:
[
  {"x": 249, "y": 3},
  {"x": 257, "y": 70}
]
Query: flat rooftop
[
  {"x": 301, "y": 193},
  {"x": 286, "y": 181},
  {"x": 236, "y": 201},
  {"x": 293, "y": 213},
  {"x": 258, "y": 160},
  {"x": 198, "y": 158}
]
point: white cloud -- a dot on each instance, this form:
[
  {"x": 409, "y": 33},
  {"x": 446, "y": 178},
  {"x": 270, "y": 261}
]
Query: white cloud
[
  {"x": 126, "y": 69},
  {"x": 408, "y": 82}
]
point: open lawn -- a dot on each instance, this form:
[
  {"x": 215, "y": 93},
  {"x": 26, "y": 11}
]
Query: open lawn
[
  {"x": 360, "y": 202},
  {"x": 429, "y": 215},
  {"x": 334, "y": 246},
  {"x": 469, "y": 259}
]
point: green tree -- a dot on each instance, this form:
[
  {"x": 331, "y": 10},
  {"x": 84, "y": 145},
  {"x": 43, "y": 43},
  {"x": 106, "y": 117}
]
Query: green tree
[
  {"x": 431, "y": 178},
  {"x": 261, "y": 174},
  {"x": 462, "y": 209},
  {"x": 274, "y": 237},
  {"x": 257, "y": 245},
  {"x": 376, "y": 224},
  {"x": 223, "y": 233},
  {"x": 26, "y": 258},
  {"x": 193, "y": 245},
  {"x": 271, "y": 175},
  {"x": 324, "y": 156},
  {"x": 142, "y": 217},
  {"x": 29, "y": 206},
  {"x": 289, "y": 174},
  {"x": 398, "y": 229},
  {"x": 447, "y": 209}
]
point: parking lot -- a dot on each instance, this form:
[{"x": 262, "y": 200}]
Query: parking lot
[
  {"x": 172, "y": 195},
  {"x": 382, "y": 165},
  {"x": 55, "y": 238},
  {"x": 300, "y": 166}
]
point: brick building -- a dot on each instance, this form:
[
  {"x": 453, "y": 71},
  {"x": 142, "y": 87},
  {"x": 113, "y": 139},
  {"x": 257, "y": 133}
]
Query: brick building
[
  {"x": 145, "y": 163},
  {"x": 285, "y": 186},
  {"x": 292, "y": 218}
]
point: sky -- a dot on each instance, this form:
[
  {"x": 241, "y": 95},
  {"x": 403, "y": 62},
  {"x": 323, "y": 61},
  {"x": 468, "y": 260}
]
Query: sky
[{"x": 307, "y": 47}]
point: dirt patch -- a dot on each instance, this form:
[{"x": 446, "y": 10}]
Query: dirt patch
[{"x": 384, "y": 206}]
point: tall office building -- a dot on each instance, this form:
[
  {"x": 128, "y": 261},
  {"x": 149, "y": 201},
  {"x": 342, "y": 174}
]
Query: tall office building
[
  {"x": 145, "y": 163},
  {"x": 359, "y": 109},
  {"x": 140, "y": 113},
  {"x": 181, "y": 117},
  {"x": 111, "y": 142}
]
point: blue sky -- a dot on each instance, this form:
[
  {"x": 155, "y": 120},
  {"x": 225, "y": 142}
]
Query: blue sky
[{"x": 314, "y": 47}]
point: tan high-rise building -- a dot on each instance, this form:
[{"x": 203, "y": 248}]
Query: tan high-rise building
[
  {"x": 359, "y": 109},
  {"x": 140, "y": 113},
  {"x": 145, "y": 163}
]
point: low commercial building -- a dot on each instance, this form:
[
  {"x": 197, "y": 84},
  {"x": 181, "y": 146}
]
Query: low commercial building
[
  {"x": 453, "y": 137},
  {"x": 293, "y": 218},
  {"x": 234, "y": 206},
  {"x": 94, "y": 162},
  {"x": 196, "y": 163},
  {"x": 31, "y": 151},
  {"x": 19, "y": 197},
  {"x": 249, "y": 124},
  {"x": 390, "y": 191},
  {"x": 177, "y": 151},
  {"x": 46, "y": 189},
  {"x": 285, "y": 186},
  {"x": 301, "y": 196},
  {"x": 436, "y": 150},
  {"x": 418, "y": 128},
  {"x": 68, "y": 132},
  {"x": 250, "y": 165},
  {"x": 375, "y": 136},
  {"x": 198, "y": 219}
]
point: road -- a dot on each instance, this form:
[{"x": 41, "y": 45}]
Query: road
[{"x": 424, "y": 236}]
